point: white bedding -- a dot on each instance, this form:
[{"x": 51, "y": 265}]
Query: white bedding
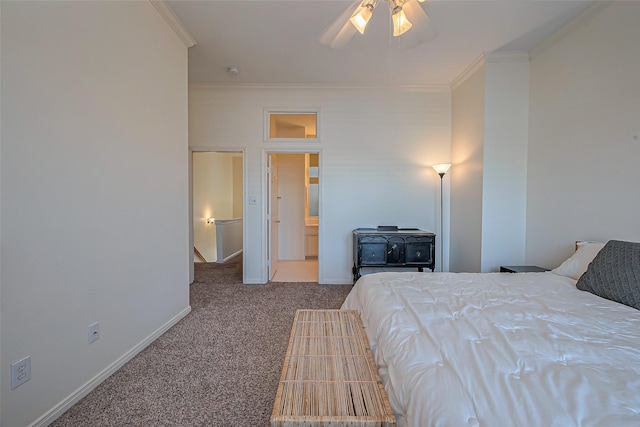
[{"x": 500, "y": 349}]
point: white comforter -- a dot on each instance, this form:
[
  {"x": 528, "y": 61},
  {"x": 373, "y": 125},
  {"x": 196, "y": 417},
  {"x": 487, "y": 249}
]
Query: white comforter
[{"x": 500, "y": 349}]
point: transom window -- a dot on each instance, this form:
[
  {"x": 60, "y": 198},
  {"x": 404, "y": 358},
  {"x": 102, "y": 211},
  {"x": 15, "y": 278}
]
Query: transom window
[{"x": 291, "y": 126}]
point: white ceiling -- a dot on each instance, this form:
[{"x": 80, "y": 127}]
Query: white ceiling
[{"x": 276, "y": 42}]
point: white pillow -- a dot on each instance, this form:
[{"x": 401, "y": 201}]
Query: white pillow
[{"x": 577, "y": 264}]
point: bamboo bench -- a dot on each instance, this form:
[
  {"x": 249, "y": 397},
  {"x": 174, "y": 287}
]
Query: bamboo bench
[{"x": 329, "y": 377}]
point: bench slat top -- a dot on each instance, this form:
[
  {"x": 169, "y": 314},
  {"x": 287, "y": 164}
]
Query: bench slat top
[{"x": 329, "y": 376}]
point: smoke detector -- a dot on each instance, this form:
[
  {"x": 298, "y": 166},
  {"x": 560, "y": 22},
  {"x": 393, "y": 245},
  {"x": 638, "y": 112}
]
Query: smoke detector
[{"x": 233, "y": 71}]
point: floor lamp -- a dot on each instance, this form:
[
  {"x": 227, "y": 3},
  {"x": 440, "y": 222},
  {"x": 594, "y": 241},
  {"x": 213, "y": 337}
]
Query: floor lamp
[{"x": 441, "y": 170}]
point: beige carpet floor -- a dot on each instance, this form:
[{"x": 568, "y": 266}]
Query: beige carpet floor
[{"x": 219, "y": 366}]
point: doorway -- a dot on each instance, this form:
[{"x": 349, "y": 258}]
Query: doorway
[
  {"x": 293, "y": 216},
  {"x": 217, "y": 206}
]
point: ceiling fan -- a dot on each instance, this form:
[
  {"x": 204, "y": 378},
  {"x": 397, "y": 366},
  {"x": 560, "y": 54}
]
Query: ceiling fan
[{"x": 405, "y": 15}]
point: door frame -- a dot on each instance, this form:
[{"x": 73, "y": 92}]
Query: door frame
[
  {"x": 272, "y": 201},
  {"x": 200, "y": 149},
  {"x": 291, "y": 150}
]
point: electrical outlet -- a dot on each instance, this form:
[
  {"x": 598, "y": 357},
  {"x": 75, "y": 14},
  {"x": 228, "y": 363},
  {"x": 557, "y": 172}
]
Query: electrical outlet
[
  {"x": 94, "y": 332},
  {"x": 20, "y": 372}
]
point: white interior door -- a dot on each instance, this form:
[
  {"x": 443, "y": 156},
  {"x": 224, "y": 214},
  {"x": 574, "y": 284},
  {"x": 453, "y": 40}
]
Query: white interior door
[
  {"x": 291, "y": 197},
  {"x": 272, "y": 214}
]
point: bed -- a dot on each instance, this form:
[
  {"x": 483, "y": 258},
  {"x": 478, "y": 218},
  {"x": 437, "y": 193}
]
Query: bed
[{"x": 504, "y": 349}]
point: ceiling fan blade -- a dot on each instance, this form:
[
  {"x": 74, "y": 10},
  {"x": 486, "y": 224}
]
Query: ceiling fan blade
[
  {"x": 422, "y": 30},
  {"x": 341, "y": 31}
]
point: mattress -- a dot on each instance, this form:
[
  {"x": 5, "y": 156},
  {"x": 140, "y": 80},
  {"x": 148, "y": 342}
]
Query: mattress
[{"x": 500, "y": 349}]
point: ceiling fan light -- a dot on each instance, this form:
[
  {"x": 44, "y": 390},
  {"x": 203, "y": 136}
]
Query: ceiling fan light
[
  {"x": 361, "y": 19},
  {"x": 363, "y": 14},
  {"x": 401, "y": 23}
]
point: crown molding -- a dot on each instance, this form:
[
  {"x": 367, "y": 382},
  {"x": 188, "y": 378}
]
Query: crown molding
[
  {"x": 569, "y": 27},
  {"x": 488, "y": 58},
  {"x": 468, "y": 72},
  {"x": 258, "y": 86},
  {"x": 181, "y": 31}
]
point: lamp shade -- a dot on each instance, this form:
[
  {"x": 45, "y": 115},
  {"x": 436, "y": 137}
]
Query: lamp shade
[
  {"x": 442, "y": 168},
  {"x": 401, "y": 23},
  {"x": 361, "y": 18}
]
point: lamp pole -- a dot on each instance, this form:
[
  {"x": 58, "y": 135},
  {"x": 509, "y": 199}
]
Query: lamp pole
[
  {"x": 441, "y": 226},
  {"x": 441, "y": 170}
]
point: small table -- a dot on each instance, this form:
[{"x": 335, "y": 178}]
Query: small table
[
  {"x": 329, "y": 377},
  {"x": 390, "y": 246},
  {"x": 521, "y": 269}
]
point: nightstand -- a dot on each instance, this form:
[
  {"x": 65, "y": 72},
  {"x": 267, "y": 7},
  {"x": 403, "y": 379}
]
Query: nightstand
[{"x": 521, "y": 269}]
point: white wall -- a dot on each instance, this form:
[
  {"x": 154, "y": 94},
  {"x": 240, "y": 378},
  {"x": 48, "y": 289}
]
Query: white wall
[
  {"x": 94, "y": 194},
  {"x": 291, "y": 193},
  {"x": 228, "y": 239},
  {"x": 504, "y": 182},
  {"x": 375, "y": 154},
  {"x": 467, "y": 148},
  {"x": 237, "y": 186},
  {"x": 1, "y": 236},
  {"x": 489, "y": 152},
  {"x": 584, "y": 136},
  {"x": 212, "y": 198}
]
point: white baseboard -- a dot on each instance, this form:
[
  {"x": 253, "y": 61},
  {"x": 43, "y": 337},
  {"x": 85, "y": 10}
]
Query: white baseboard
[
  {"x": 345, "y": 281},
  {"x": 86, "y": 388}
]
